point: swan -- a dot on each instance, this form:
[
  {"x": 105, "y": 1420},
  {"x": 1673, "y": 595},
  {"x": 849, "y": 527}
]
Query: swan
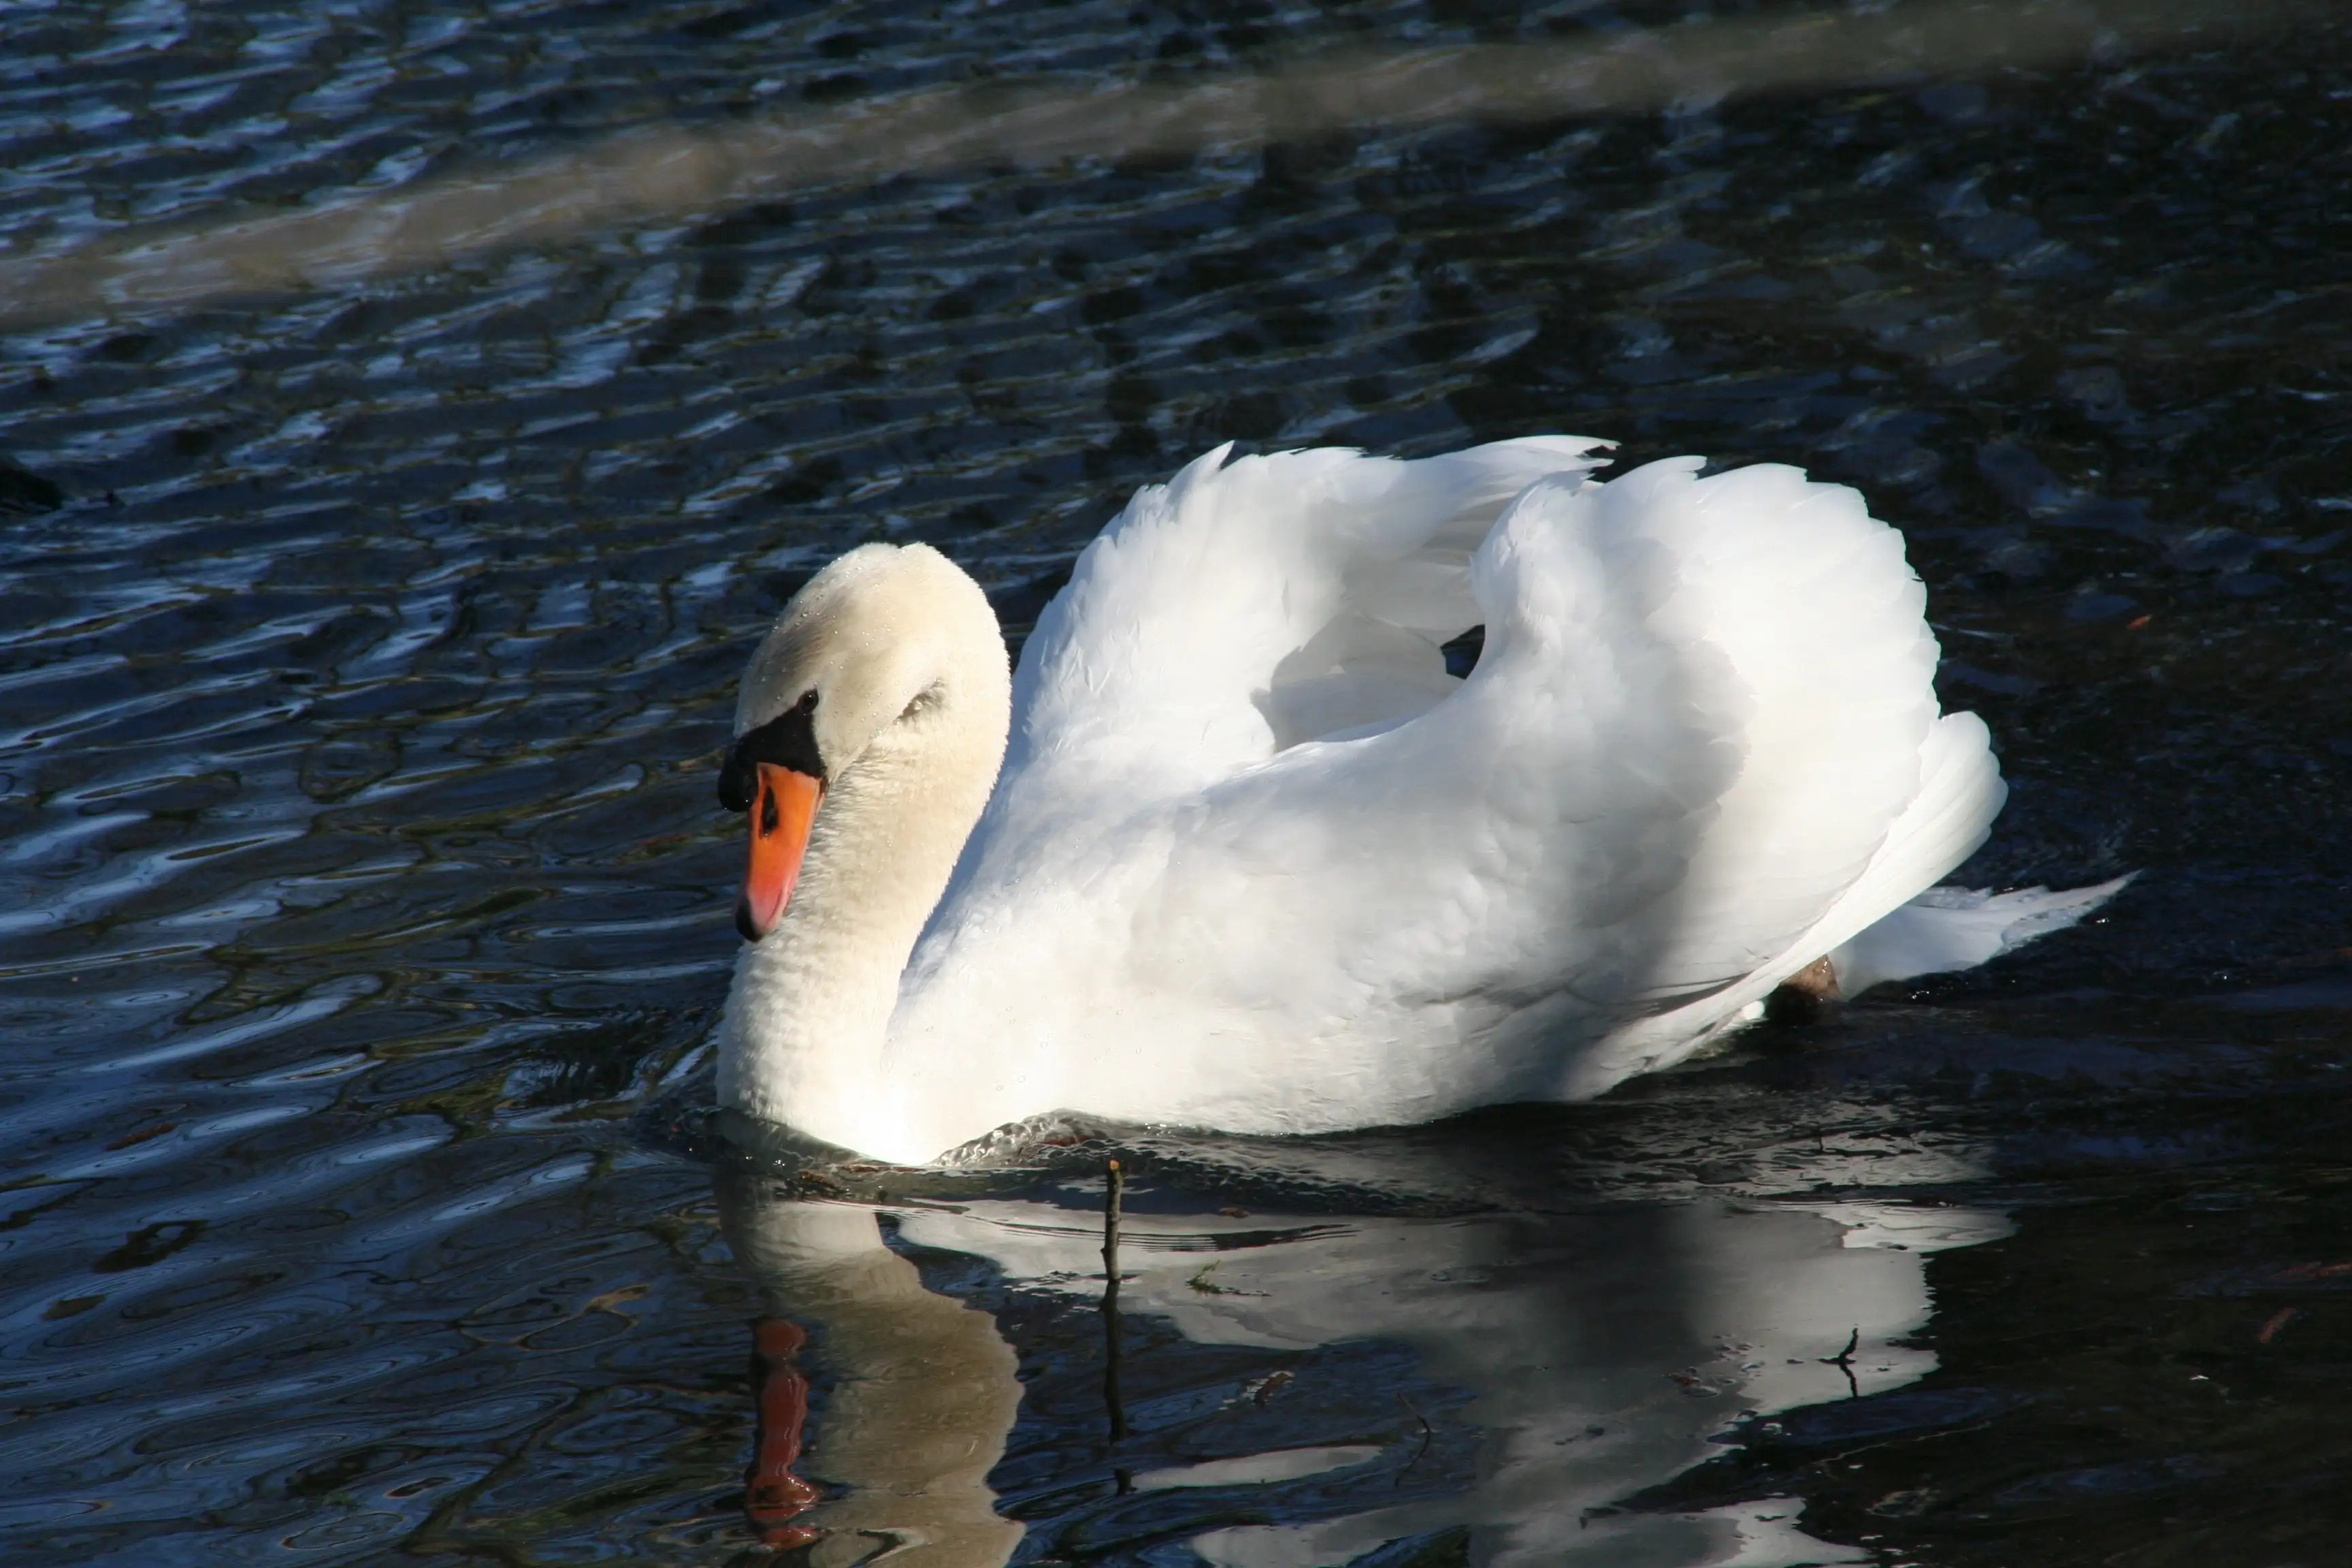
[{"x": 1233, "y": 848}]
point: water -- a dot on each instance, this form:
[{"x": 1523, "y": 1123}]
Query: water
[{"x": 368, "y": 647}]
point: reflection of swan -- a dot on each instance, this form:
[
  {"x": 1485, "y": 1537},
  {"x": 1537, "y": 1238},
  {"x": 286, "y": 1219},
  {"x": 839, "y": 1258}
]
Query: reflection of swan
[
  {"x": 1259, "y": 862},
  {"x": 924, "y": 1393},
  {"x": 1600, "y": 1352}
]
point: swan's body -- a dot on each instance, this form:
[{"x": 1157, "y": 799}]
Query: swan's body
[{"x": 1254, "y": 861}]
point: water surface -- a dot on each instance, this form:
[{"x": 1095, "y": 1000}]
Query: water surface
[{"x": 365, "y": 651}]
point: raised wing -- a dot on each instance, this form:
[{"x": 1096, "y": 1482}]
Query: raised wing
[
  {"x": 1703, "y": 708},
  {"x": 1250, "y": 605}
]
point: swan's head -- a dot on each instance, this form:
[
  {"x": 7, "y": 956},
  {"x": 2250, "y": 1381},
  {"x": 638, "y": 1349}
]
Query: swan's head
[{"x": 864, "y": 647}]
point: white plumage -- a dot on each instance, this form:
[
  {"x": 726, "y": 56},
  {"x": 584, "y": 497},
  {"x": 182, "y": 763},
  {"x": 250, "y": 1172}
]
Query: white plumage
[{"x": 1255, "y": 861}]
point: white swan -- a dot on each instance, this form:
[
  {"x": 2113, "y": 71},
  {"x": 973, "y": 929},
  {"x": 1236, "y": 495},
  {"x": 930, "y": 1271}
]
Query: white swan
[{"x": 1254, "y": 861}]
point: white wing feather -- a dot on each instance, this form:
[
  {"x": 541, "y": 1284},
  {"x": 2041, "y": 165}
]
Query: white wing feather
[{"x": 1700, "y": 748}]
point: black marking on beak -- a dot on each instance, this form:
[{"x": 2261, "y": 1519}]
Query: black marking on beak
[{"x": 788, "y": 740}]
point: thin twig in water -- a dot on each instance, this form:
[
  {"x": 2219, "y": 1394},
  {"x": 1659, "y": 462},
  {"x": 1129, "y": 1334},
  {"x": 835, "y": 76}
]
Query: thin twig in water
[
  {"x": 1115, "y": 1188},
  {"x": 1427, "y": 1434},
  {"x": 1208, "y": 1287},
  {"x": 1844, "y": 1361}
]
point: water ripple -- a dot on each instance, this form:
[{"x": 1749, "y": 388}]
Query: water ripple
[{"x": 364, "y": 650}]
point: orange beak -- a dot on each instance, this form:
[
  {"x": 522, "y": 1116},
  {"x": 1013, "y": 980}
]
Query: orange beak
[{"x": 781, "y": 814}]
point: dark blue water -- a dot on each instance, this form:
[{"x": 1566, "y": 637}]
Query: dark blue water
[{"x": 365, "y": 650}]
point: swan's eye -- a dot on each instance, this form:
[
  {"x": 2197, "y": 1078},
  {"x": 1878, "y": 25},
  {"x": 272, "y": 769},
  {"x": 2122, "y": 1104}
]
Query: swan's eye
[{"x": 807, "y": 704}]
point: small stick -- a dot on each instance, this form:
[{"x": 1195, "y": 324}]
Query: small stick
[
  {"x": 1428, "y": 1433},
  {"x": 1844, "y": 1361},
  {"x": 1114, "y": 1187}
]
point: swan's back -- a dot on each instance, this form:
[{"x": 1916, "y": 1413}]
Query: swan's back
[{"x": 1256, "y": 861}]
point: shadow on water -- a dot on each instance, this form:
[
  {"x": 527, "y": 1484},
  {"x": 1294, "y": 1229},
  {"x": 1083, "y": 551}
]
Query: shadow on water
[{"x": 365, "y": 649}]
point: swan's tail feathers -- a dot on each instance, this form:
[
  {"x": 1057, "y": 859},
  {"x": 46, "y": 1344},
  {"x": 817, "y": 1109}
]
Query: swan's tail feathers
[
  {"x": 1960, "y": 792},
  {"x": 1945, "y": 929}
]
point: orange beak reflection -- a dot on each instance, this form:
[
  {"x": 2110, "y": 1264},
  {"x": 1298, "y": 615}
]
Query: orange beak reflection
[{"x": 780, "y": 813}]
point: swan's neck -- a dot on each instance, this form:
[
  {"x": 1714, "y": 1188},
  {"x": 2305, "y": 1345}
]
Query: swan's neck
[{"x": 808, "y": 1018}]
